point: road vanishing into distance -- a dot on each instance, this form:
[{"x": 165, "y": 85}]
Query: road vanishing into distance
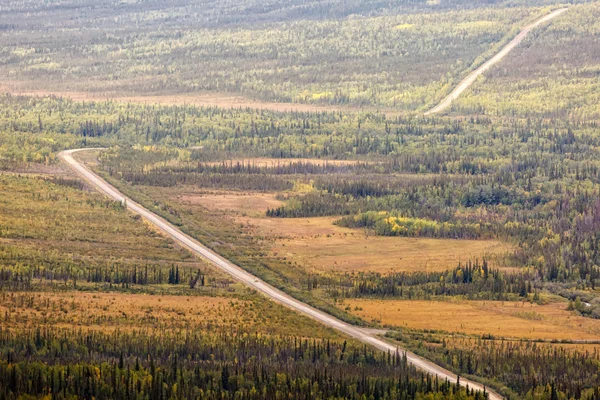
[
  {"x": 472, "y": 77},
  {"x": 363, "y": 335}
]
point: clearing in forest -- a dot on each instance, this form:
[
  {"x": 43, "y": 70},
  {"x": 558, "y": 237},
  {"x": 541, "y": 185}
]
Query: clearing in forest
[
  {"x": 362, "y": 253},
  {"x": 321, "y": 246},
  {"x": 509, "y": 319}
]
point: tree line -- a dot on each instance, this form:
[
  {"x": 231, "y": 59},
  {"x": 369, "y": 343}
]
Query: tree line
[
  {"x": 217, "y": 365},
  {"x": 528, "y": 369},
  {"x": 473, "y": 280}
]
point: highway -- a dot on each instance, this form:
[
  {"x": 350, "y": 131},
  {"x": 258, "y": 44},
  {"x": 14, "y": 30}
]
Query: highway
[
  {"x": 363, "y": 335},
  {"x": 472, "y": 77}
]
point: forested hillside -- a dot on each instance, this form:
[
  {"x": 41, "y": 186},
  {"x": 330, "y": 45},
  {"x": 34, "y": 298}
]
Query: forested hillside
[
  {"x": 554, "y": 74},
  {"x": 359, "y": 54},
  {"x": 288, "y": 137}
]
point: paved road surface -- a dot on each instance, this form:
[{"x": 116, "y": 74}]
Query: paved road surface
[
  {"x": 364, "y": 335},
  {"x": 470, "y": 79}
]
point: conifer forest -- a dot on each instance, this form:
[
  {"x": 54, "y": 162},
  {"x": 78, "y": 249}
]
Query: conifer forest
[{"x": 300, "y": 199}]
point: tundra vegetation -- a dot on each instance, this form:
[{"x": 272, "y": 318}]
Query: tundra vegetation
[{"x": 473, "y": 238}]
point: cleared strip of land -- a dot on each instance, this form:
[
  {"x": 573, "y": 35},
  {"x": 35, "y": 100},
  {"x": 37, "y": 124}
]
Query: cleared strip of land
[
  {"x": 253, "y": 282},
  {"x": 201, "y": 99},
  {"x": 472, "y": 77}
]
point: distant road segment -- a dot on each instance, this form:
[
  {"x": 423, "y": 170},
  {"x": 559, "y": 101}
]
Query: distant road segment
[
  {"x": 470, "y": 79},
  {"x": 364, "y": 335}
]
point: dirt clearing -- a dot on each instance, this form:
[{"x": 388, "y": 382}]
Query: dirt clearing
[{"x": 255, "y": 204}]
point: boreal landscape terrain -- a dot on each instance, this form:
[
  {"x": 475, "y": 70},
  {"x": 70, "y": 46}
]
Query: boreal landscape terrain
[{"x": 268, "y": 204}]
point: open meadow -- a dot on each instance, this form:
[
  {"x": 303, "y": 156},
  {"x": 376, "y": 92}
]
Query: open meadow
[
  {"x": 319, "y": 246},
  {"x": 499, "y": 319}
]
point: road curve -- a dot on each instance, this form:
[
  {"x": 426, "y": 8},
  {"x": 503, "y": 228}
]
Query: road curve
[
  {"x": 252, "y": 281},
  {"x": 470, "y": 79}
]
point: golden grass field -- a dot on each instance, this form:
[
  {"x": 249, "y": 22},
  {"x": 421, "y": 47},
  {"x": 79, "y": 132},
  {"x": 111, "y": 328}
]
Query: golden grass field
[
  {"x": 360, "y": 253},
  {"x": 320, "y": 246},
  {"x": 507, "y": 319},
  {"x": 110, "y": 311}
]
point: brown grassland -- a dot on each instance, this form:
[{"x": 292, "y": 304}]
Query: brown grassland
[
  {"x": 362, "y": 253},
  {"x": 255, "y": 205},
  {"x": 126, "y": 311},
  {"x": 508, "y": 319},
  {"x": 320, "y": 246}
]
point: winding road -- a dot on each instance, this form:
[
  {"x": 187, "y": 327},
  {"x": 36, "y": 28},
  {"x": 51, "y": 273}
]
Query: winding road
[
  {"x": 364, "y": 335},
  {"x": 470, "y": 79}
]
